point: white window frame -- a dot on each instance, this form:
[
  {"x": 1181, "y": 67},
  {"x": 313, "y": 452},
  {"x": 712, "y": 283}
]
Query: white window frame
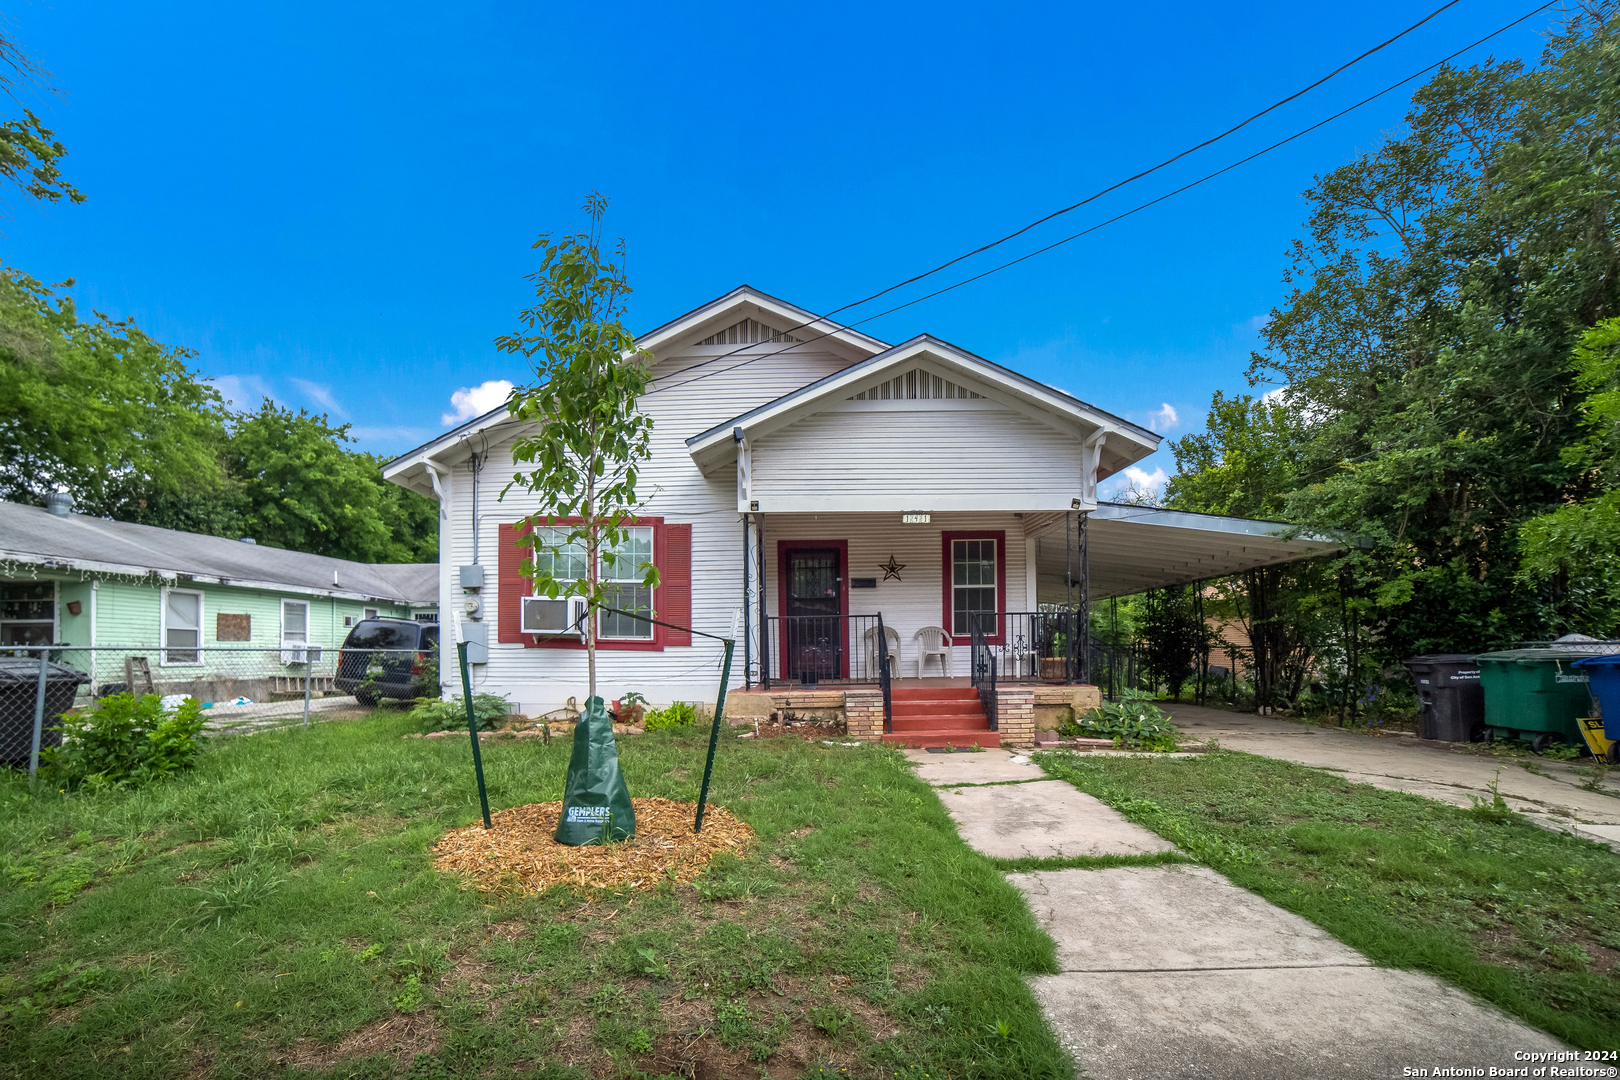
[
  {"x": 633, "y": 578},
  {"x": 299, "y": 653},
  {"x": 995, "y": 586},
  {"x": 368, "y": 613},
  {"x": 561, "y": 532},
  {"x": 163, "y": 629}
]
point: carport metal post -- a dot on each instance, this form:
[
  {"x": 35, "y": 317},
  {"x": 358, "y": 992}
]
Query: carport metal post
[
  {"x": 39, "y": 717},
  {"x": 308, "y": 667}
]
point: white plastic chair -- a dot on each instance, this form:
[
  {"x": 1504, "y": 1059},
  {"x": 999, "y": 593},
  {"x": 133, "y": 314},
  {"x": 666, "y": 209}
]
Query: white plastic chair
[
  {"x": 933, "y": 641},
  {"x": 893, "y": 637}
]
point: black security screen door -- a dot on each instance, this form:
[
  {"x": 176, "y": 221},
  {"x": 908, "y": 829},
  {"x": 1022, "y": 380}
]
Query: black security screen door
[{"x": 813, "y": 636}]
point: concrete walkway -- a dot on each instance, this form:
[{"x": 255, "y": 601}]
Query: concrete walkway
[
  {"x": 1551, "y": 795},
  {"x": 1173, "y": 972}
]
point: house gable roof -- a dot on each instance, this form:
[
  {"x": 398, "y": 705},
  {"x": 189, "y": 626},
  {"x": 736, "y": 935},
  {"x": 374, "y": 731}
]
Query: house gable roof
[
  {"x": 741, "y": 305},
  {"x": 1125, "y": 442}
]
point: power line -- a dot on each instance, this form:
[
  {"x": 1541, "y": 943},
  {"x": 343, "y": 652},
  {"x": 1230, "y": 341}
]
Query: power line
[
  {"x": 1121, "y": 183},
  {"x": 1117, "y": 217}
]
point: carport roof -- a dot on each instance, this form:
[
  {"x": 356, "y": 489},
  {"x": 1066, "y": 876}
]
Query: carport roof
[{"x": 1136, "y": 548}]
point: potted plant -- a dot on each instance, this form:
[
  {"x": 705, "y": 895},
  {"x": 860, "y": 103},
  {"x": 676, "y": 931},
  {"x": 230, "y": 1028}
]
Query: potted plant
[
  {"x": 630, "y": 709},
  {"x": 1055, "y": 665}
]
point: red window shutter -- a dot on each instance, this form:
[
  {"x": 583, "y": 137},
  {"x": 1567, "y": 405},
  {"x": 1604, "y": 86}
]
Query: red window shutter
[
  {"x": 675, "y": 583},
  {"x": 512, "y": 586}
]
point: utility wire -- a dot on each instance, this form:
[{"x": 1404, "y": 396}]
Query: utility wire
[
  {"x": 1121, "y": 183},
  {"x": 1118, "y": 217}
]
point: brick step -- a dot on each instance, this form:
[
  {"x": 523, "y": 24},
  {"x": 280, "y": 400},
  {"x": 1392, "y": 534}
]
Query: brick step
[
  {"x": 917, "y": 708},
  {"x": 964, "y": 722},
  {"x": 934, "y": 693},
  {"x": 988, "y": 739},
  {"x": 954, "y": 718}
]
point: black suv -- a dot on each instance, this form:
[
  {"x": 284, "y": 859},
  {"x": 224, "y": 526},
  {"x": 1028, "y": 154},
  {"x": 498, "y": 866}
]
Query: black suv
[{"x": 389, "y": 658}]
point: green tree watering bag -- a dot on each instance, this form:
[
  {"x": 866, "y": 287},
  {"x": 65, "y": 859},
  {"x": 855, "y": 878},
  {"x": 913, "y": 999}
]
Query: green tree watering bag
[{"x": 596, "y": 803}]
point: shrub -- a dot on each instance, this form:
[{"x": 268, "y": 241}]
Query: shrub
[
  {"x": 451, "y": 715},
  {"x": 679, "y": 714},
  {"x": 124, "y": 740},
  {"x": 1134, "y": 722}
]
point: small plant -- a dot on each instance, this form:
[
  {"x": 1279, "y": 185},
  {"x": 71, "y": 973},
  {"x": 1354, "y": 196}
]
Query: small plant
[
  {"x": 410, "y": 996},
  {"x": 1133, "y": 722},
  {"x": 123, "y": 740},
  {"x": 829, "y": 1020},
  {"x": 370, "y": 953},
  {"x": 679, "y": 714},
  {"x": 652, "y": 965},
  {"x": 1497, "y": 809},
  {"x": 736, "y": 1023},
  {"x": 451, "y": 715}
]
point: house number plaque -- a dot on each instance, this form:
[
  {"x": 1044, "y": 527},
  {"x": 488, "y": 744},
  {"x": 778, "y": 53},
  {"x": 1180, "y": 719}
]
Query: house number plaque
[{"x": 915, "y": 519}]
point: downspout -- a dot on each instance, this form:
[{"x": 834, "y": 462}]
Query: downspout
[
  {"x": 748, "y": 616},
  {"x": 764, "y": 626},
  {"x": 95, "y": 590}
]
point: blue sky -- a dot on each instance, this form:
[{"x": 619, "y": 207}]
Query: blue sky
[{"x": 334, "y": 204}]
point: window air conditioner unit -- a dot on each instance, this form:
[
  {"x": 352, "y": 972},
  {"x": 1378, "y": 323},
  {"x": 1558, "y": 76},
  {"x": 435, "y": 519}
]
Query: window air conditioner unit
[
  {"x": 301, "y": 654},
  {"x": 550, "y": 618}
]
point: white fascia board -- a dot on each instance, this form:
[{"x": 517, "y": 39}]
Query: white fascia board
[
  {"x": 746, "y": 302},
  {"x": 867, "y": 504},
  {"x": 56, "y": 564}
]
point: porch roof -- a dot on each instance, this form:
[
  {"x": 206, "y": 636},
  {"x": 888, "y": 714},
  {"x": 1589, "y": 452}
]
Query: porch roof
[{"x": 1136, "y": 548}]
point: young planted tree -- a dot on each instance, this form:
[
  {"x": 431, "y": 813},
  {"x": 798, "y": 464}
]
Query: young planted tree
[{"x": 588, "y": 439}]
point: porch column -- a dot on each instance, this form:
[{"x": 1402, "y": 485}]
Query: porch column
[
  {"x": 1015, "y": 715},
  {"x": 863, "y": 714}
]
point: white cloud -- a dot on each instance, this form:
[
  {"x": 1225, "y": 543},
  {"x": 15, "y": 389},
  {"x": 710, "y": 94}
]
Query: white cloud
[
  {"x": 1165, "y": 417},
  {"x": 1255, "y": 324},
  {"x": 241, "y": 392},
  {"x": 1135, "y": 485},
  {"x": 471, "y": 401},
  {"x": 320, "y": 395}
]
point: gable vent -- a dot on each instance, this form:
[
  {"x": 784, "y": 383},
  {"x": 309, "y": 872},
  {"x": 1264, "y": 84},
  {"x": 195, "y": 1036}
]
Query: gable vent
[
  {"x": 747, "y": 332},
  {"x": 914, "y": 384}
]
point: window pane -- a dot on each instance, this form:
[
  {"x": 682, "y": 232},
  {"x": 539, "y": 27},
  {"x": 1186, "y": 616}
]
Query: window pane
[
  {"x": 182, "y": 611},
  {"x": 25, "y": 634},
  {"x": 555, "y": 557},
  {"x": 26, "y": 600},
  {"x": 626, "y": 598},
  {"x": 626, "y": 559},
  {"x": 294, "y": 620}
]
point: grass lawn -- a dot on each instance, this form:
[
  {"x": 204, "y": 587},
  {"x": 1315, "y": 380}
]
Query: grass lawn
[
  {"x": 275, "y": 912},
  {"x": 1523, "y": 917}
]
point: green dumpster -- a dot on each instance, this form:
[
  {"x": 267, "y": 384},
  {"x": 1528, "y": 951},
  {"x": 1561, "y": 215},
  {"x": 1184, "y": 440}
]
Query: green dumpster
[{"x": 1534, "y": 694}]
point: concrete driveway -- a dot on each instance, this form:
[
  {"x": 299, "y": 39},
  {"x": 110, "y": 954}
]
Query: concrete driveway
[{"x": 1552, "y": 795}]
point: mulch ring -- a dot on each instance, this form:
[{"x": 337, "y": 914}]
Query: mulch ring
[{"x": 520, "y": 852}]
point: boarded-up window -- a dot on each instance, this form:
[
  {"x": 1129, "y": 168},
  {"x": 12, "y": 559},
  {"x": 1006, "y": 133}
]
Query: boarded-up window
[{"x": 233, "y": 627}]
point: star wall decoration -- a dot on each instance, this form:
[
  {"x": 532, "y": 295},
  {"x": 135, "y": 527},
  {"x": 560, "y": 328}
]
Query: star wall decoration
[{"x": 891, "y": 569}]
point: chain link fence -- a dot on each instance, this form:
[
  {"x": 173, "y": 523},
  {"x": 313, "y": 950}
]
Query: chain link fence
[{"x": 241, "y": 689}]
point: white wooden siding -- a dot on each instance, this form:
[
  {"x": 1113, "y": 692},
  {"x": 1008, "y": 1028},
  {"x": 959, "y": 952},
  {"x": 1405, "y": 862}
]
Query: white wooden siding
[
  {"x": 915, "y": 455},
  {"x": 687, "y": 399}
]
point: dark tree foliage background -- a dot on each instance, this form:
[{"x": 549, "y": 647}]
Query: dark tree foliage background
[
  {"x": 101, "y": 410},
  {"x": 1432, "y": 403}
]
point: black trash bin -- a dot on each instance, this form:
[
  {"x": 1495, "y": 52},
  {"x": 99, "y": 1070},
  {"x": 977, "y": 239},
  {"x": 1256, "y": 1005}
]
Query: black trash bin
[
  {"x": 19, "y": 688},
  {"x": 1451, "y": 699}
]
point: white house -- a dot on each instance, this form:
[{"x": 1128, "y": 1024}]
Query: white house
[{"x": 807, "y": 479}]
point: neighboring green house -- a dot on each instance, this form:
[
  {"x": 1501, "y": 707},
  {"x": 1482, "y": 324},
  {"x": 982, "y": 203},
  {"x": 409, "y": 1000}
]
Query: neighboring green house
[{"x": 198, "y": 609}]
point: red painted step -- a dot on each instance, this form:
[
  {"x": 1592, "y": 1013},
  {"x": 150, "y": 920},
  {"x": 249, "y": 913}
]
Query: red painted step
[
  {"x": 925, "y": 716},
  {"x": 964, "y": 722}
]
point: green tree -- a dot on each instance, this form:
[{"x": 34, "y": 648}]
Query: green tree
[
  {"x": 1573, "y": 550},
  {"x": 1444, "y": 280},
  {"x": 589, "y": 438},
  {"x": 99, "y": 409},
  {"x": 301, "y": 489},
  {"x": 29, "y": 152}
]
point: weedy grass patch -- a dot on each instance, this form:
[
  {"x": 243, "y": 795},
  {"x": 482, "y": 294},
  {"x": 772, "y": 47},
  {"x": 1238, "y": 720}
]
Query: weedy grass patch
[
  {"x": 1523, "y": 917},
  {"x": 276, "y": 911}
]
